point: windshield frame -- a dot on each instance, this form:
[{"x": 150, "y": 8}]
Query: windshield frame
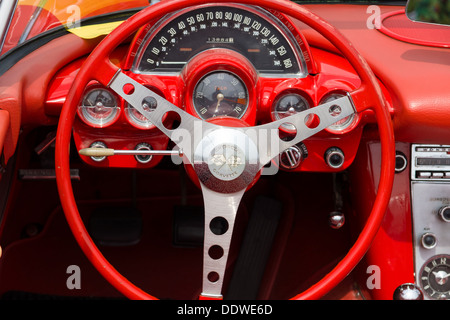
[
  {"x": 7, "y": 10},
  {"x": 11, "y": 57}
]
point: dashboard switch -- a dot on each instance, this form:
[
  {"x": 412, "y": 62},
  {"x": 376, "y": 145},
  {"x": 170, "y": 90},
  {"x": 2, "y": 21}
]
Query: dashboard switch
[
  {"x": 292, "y": 157},
  {"x": 336, "y": 219},
  {"x": 143, "y": 158},
  {"x": 334, "y": 157},
  {"x": 428, "y": 240},
  {"x": 401, "y": 162},
  {"x": 444, "y": 213}
]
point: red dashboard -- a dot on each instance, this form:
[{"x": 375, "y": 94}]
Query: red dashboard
[{"x": 327, "y": 74}]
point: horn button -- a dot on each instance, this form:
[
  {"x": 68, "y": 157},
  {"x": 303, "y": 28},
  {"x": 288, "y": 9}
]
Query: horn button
[{"x": 226, "y": 160}]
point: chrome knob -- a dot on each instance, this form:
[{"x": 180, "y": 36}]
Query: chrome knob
[
  {"x": 292, "y": 157},
  {"x": 98, "y": 144},
  {"x": 334, "y": 157},
  {"x": 408, "y": 291},
  {"x": 143, "y": 158},
  {"x": 428, "y": 240},
  {"x": 444, "y": 213},
  {"x": 401, "y": 162},
  {"x": 336, "y": 219}
]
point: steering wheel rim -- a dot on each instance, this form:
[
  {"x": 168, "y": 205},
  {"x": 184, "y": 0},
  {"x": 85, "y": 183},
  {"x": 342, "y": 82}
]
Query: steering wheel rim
[{"x": 369, "y": 95}]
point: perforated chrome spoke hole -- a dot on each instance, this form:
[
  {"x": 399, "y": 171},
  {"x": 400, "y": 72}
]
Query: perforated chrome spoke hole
[
  {"x": 312, "y": 121},
  {"x": 215, "y": 252},
  {"x": 149, "y": 103},
  {"x": 213, "y": 277},
  {"x": 287, "y": 131},
  {"x": 335, "y": 110},
  {"x": 172, "y": 120},
  {"x": 218, "y": 226},
  {"x": 128, "y": 89}
]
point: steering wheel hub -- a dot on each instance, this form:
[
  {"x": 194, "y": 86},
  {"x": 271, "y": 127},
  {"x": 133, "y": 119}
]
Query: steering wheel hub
[{"x": 226, "y": 160}]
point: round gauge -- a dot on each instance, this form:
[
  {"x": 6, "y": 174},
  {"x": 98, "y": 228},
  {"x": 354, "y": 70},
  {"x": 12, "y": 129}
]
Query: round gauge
[
  {"x": 220, "y": 94},
  {"x": 288, "y": 105},
  {"x": 343, "y": 124},
  {"x": 138, "y": 119},
  {"x": 99, "y": 107},
  {"x": 435, "y": 277}
]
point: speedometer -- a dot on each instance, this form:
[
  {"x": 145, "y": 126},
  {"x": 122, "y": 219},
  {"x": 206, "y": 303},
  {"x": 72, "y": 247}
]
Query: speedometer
[{"x": 255, "y": 34}]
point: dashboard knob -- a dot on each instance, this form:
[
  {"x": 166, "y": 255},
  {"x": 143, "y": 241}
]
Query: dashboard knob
[
  {"x": 143, "y": 158},
  {"x": 336, "y": 219},
  {"x": 428, "y": 240},
  {"x": 408, "y": 291},
  {"x": 444, "y": 213},
  {"x": 292, "y": 157},
  {"x": 334, "y": 157},
  {"x": 401, "y": 162},
  {"x": 98, "y": 144}
]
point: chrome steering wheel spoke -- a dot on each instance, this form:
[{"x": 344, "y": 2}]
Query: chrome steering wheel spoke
[
  {"x": 306, "y": 123},
  {"x": 137, "y": 95},
  {"x": 192, "y": 131},
  {"x": 226, "y": 161},
  {"x": 220, "y": 215}
]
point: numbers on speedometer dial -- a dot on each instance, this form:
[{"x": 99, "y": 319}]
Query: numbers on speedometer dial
[
  {"x": 220, "y": 94},
  {"x": 256, "y": 35}
]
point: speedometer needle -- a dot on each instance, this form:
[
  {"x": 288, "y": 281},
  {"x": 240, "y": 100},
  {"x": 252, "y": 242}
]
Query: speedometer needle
[{"x": 220, "y": 97}]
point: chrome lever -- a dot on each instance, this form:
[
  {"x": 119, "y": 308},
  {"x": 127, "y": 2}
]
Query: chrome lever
[{"x": 107, "y": 152}]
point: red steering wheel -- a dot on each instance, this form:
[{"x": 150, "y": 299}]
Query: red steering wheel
[{"x": 222, "y": 196}]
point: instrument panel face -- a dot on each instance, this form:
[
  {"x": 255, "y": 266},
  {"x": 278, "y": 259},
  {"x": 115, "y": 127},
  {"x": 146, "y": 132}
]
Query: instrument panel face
[
  {"x": 254, "y": 33},
  {"x": 233, "y": 64},
  {"x": 220, "y": 94}
]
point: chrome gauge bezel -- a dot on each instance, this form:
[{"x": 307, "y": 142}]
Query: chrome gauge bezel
[
  {"x": 275, "y": 112},
  {"x": 88, "y": 119},
  {"x": 241, "y": 82},
  {"x": 346, "y": 124},
  {"x": 143, "y": 124},
  {"x": 133, "y": 119},
  {"x": 276, "y": 105}
]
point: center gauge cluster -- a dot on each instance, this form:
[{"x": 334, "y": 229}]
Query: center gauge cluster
[{"x": 232, "y": 65}]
